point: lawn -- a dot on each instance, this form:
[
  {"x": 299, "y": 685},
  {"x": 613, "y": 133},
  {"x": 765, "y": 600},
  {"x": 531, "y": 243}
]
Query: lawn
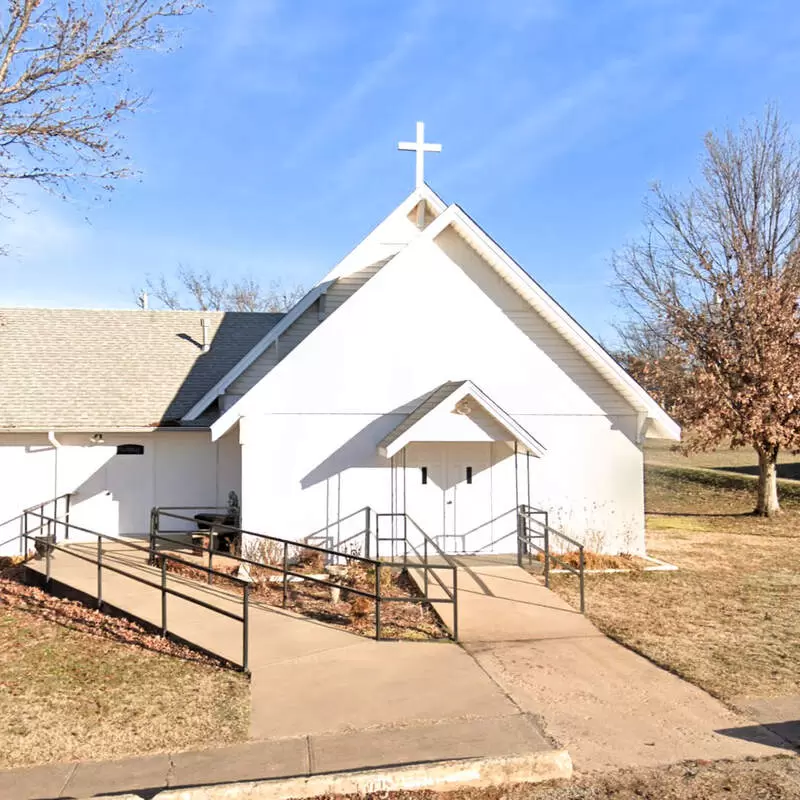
[
  {"x": 76, "y": 684},
  {"x": 729, "y": 619}
]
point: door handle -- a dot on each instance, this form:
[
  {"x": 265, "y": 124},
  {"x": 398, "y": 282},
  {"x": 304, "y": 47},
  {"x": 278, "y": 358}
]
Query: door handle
[{"x": 449, "y": 502}]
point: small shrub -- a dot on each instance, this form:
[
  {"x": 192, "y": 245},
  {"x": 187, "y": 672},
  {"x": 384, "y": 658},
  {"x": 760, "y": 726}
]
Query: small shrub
[
  {"x": 360, "y": 607},
  {"x": 311, "y": 559},
  {"x": 264, "y": 551}
]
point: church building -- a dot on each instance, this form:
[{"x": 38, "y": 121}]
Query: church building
[{"x": 427, "y": 374}]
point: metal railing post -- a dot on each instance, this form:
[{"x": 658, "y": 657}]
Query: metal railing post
[
  {"x": 47, "y": 557},
  {"x": 245, "y": 627},
  {"x": 285, "y": 572},
  {"x": 425, "y": 564},
  {"x": 519, "y": 536},
  {"x": 582, "y": 588},
  {"x": 405, "y": 540},
  {"x": 210, "y": 553},
  {"x": 99, "y": 572},
  {"x": 455, "y": 604},
  {"x": 153, "y": 529},
  {"x": 163, "y": 595},
  {"x": 378, "y": 601},
  {"x": 66, "y": 516},
  {"x": 367, "y": 531},
  {"x": 547, "y": 557}
]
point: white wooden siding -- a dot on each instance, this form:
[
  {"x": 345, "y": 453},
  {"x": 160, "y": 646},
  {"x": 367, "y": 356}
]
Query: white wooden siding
[
  {"x": 545, "y": 336},
  {"x": 338, "y": 293}
]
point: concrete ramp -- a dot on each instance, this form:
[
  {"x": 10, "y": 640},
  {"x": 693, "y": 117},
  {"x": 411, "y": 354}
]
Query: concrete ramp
[{"x": 608, "y": 706}]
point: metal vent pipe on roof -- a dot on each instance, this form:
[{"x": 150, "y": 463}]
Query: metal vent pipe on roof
[{"x": 205, "y": 323}]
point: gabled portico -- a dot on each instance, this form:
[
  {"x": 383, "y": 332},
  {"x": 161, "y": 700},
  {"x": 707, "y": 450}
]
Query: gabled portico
[{"x": 459, "y": 465}]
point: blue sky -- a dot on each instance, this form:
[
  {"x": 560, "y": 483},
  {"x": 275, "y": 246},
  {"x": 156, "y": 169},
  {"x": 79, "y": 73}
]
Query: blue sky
[{"x": 268, "y": 147}]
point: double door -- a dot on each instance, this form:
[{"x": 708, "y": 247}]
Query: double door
[{"x": 448, "y": 491}]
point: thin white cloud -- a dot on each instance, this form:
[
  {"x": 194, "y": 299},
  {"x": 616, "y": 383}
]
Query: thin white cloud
[
  {"x": 571, "y": 113},
  {"x": 369, "y": 80}
]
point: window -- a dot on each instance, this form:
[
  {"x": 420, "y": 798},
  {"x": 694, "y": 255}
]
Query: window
[
  {"x": 130, "y": 449},
  {"x": 424, "y": 471},
  {"x": 469, "y": 474}
]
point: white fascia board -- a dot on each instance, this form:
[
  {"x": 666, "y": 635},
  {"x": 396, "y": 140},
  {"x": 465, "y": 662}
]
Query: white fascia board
[
  {"x": 223, "y": 383},
  {"x": 557, "y": 316},
  {"x": 404, "y": 209},
  {"x": 502, "y": 417}
]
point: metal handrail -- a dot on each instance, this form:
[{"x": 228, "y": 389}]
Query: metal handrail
[
  {"x": 377, "y": 596},
  {"x": 452, "y": 595},
  {"x": 524, "y": 518},
  {"x": 51, "y": 544}
]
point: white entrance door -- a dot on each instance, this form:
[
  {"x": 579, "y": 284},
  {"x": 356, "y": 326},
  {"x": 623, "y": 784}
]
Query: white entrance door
[
  {"x": 448, "y": 492},
  {"x": 130, "y": 477}
]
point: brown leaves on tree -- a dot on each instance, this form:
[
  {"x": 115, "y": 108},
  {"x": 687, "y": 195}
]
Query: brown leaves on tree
[{"x": 717, "y": 278}]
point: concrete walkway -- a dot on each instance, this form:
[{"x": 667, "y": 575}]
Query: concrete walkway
[
  {"x": 307, "y": 679},
  {"x": 526, "y": 658},
  {"x": 608, "y": 706},
  {"x": 299, "y": 756}
]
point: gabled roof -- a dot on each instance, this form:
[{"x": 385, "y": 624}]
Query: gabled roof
[
  {"x": 423, "y": 194},
  {"x": 662, "y": 424},
  {"x": 659, "y": 423},
  {"x": 446, "y": 398},
  {"x": 73, "y": 369},
  {"x": 212, "y": 393}
]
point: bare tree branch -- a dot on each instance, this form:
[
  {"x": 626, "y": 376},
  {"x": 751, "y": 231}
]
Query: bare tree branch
[
  {"x": 200, "y": 290},
  {"x": 62, "y": 93}
]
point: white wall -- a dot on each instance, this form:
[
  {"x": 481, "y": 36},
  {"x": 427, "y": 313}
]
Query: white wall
[
  {"x": 437, "y": 313},
  {"x": 114, "y": 493}
]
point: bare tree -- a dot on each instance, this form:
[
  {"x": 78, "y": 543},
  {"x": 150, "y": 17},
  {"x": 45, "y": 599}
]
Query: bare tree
[
  {"x": 718, "y": 276},
  {"x": 200, "y": 290},
  {"x": 62, "y": 90}
]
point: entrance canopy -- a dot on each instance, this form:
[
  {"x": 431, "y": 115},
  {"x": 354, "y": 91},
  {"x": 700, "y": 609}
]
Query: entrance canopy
[{"x": 458, "y": 411}]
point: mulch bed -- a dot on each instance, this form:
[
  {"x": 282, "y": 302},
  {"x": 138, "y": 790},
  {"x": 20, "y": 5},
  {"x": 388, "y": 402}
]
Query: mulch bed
[
  {"x": 592, "y": 560},
  {"x": 17, "y": 596},
  {"x": 352, "y": 612}
]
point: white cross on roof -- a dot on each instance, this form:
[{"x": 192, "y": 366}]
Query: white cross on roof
[{"x": 421, "y": 148}]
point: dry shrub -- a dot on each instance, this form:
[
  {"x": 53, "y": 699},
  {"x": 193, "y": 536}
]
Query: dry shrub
[
  {"x": 313, "y": 560},
  {"x": 265, "y": 551},
  {"x": 592, "y": 560},
  {"x": 360, "y": 607}
]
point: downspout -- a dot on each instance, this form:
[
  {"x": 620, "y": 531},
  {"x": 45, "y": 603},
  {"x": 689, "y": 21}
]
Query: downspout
[{"x": 51, "y": 437}]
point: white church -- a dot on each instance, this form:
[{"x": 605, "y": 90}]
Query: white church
[{"x": 427, "y": 373}]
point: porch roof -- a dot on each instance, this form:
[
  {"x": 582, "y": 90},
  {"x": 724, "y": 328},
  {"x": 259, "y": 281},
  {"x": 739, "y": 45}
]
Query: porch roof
[{"x": 448, "y": 396}]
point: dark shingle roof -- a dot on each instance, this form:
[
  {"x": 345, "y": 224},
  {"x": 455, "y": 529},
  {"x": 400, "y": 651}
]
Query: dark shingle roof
[{"x": 63, "y": 369}]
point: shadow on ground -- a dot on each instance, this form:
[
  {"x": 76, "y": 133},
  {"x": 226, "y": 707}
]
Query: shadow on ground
[
  {"x": 789, "y": 471},
  {"x": 787, "y": 732}
]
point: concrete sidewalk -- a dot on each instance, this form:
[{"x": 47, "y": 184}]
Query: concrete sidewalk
[
  {"x": 299, "y": 756},
  {"x": 604, "y": 703}
]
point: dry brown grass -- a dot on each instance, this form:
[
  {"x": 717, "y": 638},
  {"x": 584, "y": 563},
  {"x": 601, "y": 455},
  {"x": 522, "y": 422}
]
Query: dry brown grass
[
  {"x": 729, "y": 619},
  {"x": 68, "y": 694},
  {"x": 592, "y": 560},
  {"x": 765, "y": 779}
]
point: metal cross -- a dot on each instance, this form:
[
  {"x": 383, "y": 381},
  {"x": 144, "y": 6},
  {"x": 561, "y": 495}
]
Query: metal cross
[{"x": 421, "y": 148}]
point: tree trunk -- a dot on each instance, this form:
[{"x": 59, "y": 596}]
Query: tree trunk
[{"x": 767, "y": 505}]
